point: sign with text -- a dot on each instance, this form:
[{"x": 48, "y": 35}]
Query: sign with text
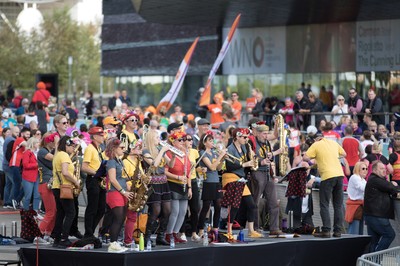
[
  {"x": 256, "y": 51},
  {"x": 378, "y": 45}
]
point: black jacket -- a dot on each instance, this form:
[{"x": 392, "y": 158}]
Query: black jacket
[{"x": 377, "y": 200}]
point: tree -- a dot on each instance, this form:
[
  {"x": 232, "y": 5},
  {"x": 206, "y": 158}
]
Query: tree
[{"x": 47, "y": 51}]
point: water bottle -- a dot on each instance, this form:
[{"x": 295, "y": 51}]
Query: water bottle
[
  {"x": 3, "y": 228},
  {"x": 14, "y": 229},
  {"x": 205, "y": 237},
  {"x": 148, "y": 246},
  {"x": 141, "y": 242},
  {"x": 241, "y": 236},
  {"x": 172, "y": 242}
]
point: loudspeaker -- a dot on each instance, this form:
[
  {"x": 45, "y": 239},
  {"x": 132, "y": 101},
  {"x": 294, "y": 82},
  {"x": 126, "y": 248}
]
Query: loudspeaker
[{"x": 51, "y": 81}]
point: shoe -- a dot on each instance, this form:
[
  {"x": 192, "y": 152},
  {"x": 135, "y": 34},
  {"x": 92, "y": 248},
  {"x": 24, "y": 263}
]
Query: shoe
[
  {"x": 337, "y": 234},
  {"x": 116, "y": 247},
  {"x": 275, "y": 233},
  {"x": 323, "y": 234},
  {"x": 161, "y": 239},
  {"x": 39, "y": 217},
  {"x": 7, "y": 207},
  {"x": 255, "y": 234},
  {"x": 56, "y": 242},
  {"x": 168, "y": 238},
  {"x": 183, "y": 237},
  {"x": 40, "y": 241},
  {"x": 77, "y": 234},
  {"x": 178, "y": 239},
  {"x": 236, "y": 226},
  {"x": 195, "y": 238},
  {"x": 15, "y": 204},
  {"x": 64, "y": 243}
]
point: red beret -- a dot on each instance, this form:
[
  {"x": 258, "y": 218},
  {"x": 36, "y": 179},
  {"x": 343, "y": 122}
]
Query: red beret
[{"x": 96, "y": 131}]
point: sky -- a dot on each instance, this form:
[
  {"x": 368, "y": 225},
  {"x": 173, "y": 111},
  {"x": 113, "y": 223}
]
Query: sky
[{"x": 86, "y": 11}]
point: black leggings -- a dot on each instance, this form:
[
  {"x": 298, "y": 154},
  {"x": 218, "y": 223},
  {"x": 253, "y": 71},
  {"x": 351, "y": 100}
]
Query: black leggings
[
  {"x": 251, "y": 209},
  {"x": 155, "y": 210},
  {"x": 204, "y": 210},
  {"x": 119, "y": 215}
]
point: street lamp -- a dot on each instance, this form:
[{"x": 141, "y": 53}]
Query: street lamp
[{"x": 70, "y": 61}]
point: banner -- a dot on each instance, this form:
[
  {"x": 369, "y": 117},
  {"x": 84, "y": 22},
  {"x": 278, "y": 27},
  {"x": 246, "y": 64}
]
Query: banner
[
  {"x": 378, "y": 45},
  {"x": 205, "y": 97},
  {"x": 173, "y": 92}
]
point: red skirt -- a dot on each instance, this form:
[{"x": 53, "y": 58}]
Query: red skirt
[{"x": 116, "y": 199}]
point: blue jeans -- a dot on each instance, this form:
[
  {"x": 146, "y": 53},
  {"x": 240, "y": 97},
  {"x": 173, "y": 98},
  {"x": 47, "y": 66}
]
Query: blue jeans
[
  {"x": 8, "y": 189},
  {"x": 356, "y": 227},
  {"x": 381, "y": 232},
  {"x": 18, "y": 192},
  {"x": 31, "y": 188},
  {"x": 331, "y": 188}
]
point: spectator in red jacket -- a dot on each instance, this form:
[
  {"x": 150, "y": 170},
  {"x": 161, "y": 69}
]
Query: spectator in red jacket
[
  {"x": 41, "y": 94},
  {"x": 30, "y": 180}
]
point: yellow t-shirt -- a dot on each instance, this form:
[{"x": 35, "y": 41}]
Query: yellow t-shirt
[
  {"x": 92, "y": 157},
  {"x": 131, "y": 136},
  {"x": 326, "y": 152},
  {"x": 59, "y": 158},
  {"x": 130, "y": 167},
  {"x": 193, "y": 156}
]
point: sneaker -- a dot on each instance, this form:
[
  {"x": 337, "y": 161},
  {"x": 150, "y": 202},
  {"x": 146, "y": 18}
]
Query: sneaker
[
  {"x": 195, "y": 238},
  {"x": 116, "y": 247},
  {"x": 77, "y": 234},
  {"x": 40, "y": 241},
  {"x": 39, "y": 217},
  {"x": 15, "y": 204},
  {"x": 255, "y": 234},
  {"x": 183, "y": 237},
  {"x": 7, "y": 207},
  {"x": 64, "y": 243},
  {"x": 178, "y": 239}
]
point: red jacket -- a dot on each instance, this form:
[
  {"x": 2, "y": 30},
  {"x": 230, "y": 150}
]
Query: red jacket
[
  {"x": 30, "y": 166},
  {"x": 41, "y": 96}
]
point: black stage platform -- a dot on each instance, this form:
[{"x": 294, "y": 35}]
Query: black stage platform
[{"x": 305, "y": 250}]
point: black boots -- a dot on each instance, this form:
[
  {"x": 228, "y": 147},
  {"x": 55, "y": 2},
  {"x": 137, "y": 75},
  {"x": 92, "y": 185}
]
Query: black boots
[
  {"x": 149, "y": 230},
  {"x": 160, "y": 240}
]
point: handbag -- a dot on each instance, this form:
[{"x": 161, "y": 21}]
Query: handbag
[{"x": 66, "y": 191}]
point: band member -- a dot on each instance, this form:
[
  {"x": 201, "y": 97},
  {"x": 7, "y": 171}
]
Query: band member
[
  {"x": 111, "y": 127},
  {"x": 179, "y": 182},
  {"x": 118, "y": 196},
  {"x": 132, "y": 168},
  {"x": 235, "y": 172},
  {"x": 213, "y": 162},
  {"x": 160, "y": 199},
  {"x": 96, "y": 196},
  {"x": 262, "y": 182},
  {"x": 131, "y": 121},
  {"x": 194, "y": 202},
  {"x": 63, "y": 172},
  {"x": 45, "y": 158}
]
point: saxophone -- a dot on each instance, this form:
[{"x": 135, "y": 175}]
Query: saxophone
[
  {"x": 77, "y": 172},
  {"x": 140, "y": 186},
  {"x": 283, "y": 133},
  {"x": 253, "y": 157}
]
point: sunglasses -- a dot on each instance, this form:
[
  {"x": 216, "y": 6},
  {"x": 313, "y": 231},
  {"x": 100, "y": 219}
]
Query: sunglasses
[
  {"x": 133, "y": 120},
  {"x": 64, "y": 123},
  {"x": 245, "y": 137},
  {"x": 364, "y": 168},
  {"x": 189, "y": 139},
  {"x": 180, "y": 140},
  {"x": 340, "y": 99}
]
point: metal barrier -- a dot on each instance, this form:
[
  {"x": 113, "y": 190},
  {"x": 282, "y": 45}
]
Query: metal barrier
[{"x": 387, "y": 257}]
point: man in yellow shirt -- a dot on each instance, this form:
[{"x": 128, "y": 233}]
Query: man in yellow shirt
[
  {"x": 326, "y": 153},
  {"x": 96, "y": 195}
]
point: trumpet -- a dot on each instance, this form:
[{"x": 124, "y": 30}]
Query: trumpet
[
  {"x": 173, "y": 149},
  {"x": 229, "y": 157}
]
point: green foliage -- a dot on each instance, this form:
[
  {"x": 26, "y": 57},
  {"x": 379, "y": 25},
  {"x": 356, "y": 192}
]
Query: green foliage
[{"x": 47, "y": 51}]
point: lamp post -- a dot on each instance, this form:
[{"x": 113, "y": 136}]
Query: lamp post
[{"x": 70, "y": 61}]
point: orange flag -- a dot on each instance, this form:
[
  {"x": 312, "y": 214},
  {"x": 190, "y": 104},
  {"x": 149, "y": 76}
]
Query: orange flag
[
  {"x": 205, "y": 97},
  {"x": 173, "y": 92}
]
